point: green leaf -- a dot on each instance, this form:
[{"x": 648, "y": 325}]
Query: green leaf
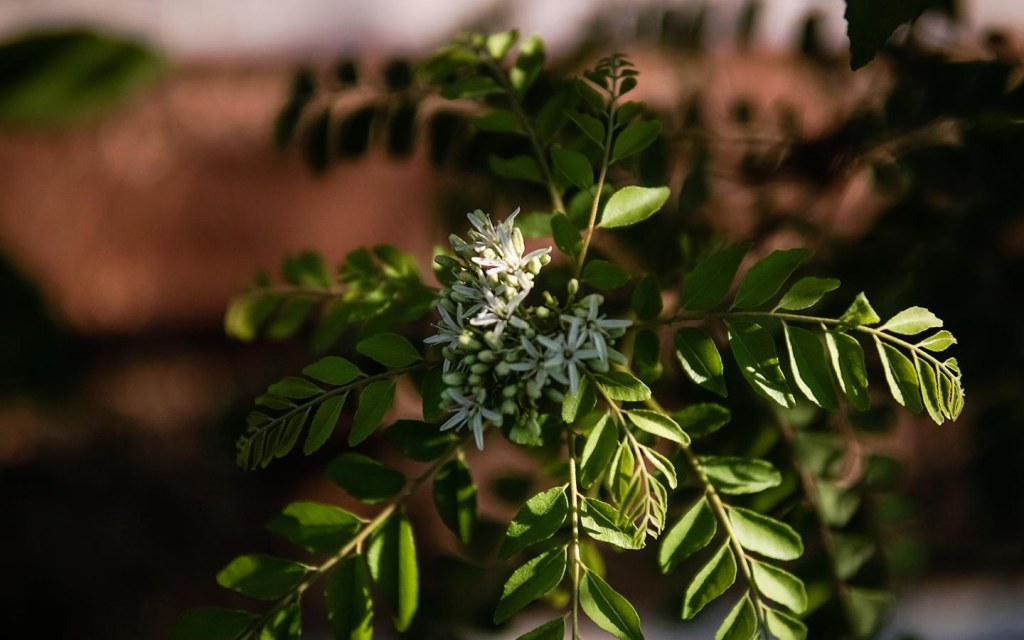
[
  {"x": 392, "y": 560},
  {"x": 324, "y": 421},
  {"x": 635, "y": 138},
  {"x": 765, "y": 535},
  {"x": 531, "y": 581},
  {"x": 658, "y": 424},
  {"x": 420, "y": 441},
  {"x": 646, "y": 301},
  {"x": 551, "y": 630},
  {"x": 837, "y": 503},
  {"x": 700, "y": 359},
  {"x": 566, "y": 235},
  {"x": 318, "y": 528},
  {"x": 930, "y": 392},
  {"x": 755, "y": 354},
  {"x": 286, "y": 624},
  {"x": 737, "y": 476},
  {"x": 765, "y": 278},
  {"x": 590, "y": 126},
  {"x": 247, "y": 313},
  {"x": 349, "y": 603},
  {"x": 261, "y": 576},
  {"x": 498, "y": 121},
  {"x": 290, "y": 317},
  {"x": 471, "y": 87},
  {"x": 806, "y": 293},
  {"x": 938, "y": 341},
  {"x": 389, "y": 349},
  {"x": 912, "y": 321},
  {"x": 574, "y": 166},
  {"x": 851, "y": 552},
  {"x": 901, "y": 377},
  {"x": 333, "y": 370},
  {"x": 809, "y": 367},
  {"x": 528, "y": 64},
  {"x": 860, "y": 313},
  {"x": 620, "y": 385},
  {"x": 779, "y": 585},
  {"x": 647, "y": 356},
  {"x": 576, "y": 405},
  {"x": 709, "y": 281},
  {"x": 694, "y": 530},
  {"x": 871, "y": 22},
  {"x": 499, "y": 44},
  {"x": 702, "y": 419},
  {"x": 847, "y": 358},
  {"x": 713, "y": 579},
  {"x": 516, "y": 168},
  {"x": 287, "y": 436},
  {"x": 211, "y": 623},
  {"x": 608, "y": 609},
  {"x": 601, "y": 522},
  {"x": 364, "y": 478},
  {"x": 604, "y": 275},
  {"x": 374, "y": 402},
  {"x": 294, "y": 388},
  {"x": 741, "y": 623},
  {"x": 868, "y": 608},
  {"x": 455, "y": 498},
  {"x": 430, "y": 391},
  {"x": 536, "y": 521},
  {"x": 631, "y": 205},
  {"x": 598, "y": 451},
  {"x": 784, "y": 626}
]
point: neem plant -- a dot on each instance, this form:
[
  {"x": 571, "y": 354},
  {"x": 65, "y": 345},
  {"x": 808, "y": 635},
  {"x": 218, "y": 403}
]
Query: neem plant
[{"x": 562, "y": 354}]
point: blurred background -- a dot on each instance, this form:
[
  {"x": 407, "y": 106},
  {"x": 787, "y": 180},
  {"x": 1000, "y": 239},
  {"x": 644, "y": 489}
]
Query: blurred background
[{"x": 154, "y": 155}]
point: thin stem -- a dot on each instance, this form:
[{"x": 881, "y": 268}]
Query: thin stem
[
  {"x": 599, "y": 186},
  {"x": 574, "y": 549}
]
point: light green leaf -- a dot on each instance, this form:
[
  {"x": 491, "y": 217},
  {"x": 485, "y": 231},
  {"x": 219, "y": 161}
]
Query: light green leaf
[
  {"x": 531, "y": 581},
  {"x": 851, "y": 552},
  {"x": 567, "y": 237},
  {"x": 765, "y": 535},
  {"x": 498, "y": 44},
  {"x": 737, "y": 476},
  {"x": 631, "y": 205},
  {"x": 579, "y": 404},
  {"x": 601, "y": 522},
  {"x": 333, "y": 370},
  {"x": 766, "y": 277},
  {"x": 755, "y": 354},
  {"x": 420, "y": 441},
  {"x": 471, "y": 87},
  {"x": 837, "y": 503},
  {"x": 364, "y": 478},
  {"x": 528, "y": 64},
  {"x": 709, "y": 281},
  {"x": 784, "y": 626},
  {"x": 294, "y": 388},
  {"x": 806, "y": 293},
  {"x": 604, "y": 275},
  {"x": 349, "y": 603},
  {"x": 608, "y": 609},
  {"x": 646, "y": 302},
  {"x": 590, "y": 126},
  {"x": 901, "y": 377},
  {"x": 455, "y": 498},
  {"x": 809, "y": 367},
  {"x": 247, "y": 313},
  {"x": 930, "y": 393},
  {"x": 741, "y": 623},
  {"x": 779, "y": 585},
  {"x": 635, "y": 138},
  {"x": 374, "y": 402},
  {"x": 702, "y": 419},
  {"x": 324, "y": 421},
  {"x": 620, "y": 385},
  {"x": 868, "y": 608},
  {"x": 392, "y": 559},
  {"x": 713, "y": 579},
  {"x": 938, "y": 341},
  {"x": 536, "y": 521},
  {"x": 261, "y": 576},
  {"x": 847, "y": 358},
  {"x": 516, "y": 168},
  {"x": 658, "y": 424},
  {"x": 860, "y": 313},
  {"x": 318, "y": 528},
  {"x": 286, "y": 624},
  {"x": 211, "y": 623},
  {"x": 574, "y": 166},
  {"x": 498, "y": 121},
  {"x": 694, "y": 530},
  {"x": 700, "y": 359},
  {"x": 598, "y": 451},
  {"x": 551, "y": 630},
  {"x": 389, "y": 349},
  {"x": 912, "y": 321}
]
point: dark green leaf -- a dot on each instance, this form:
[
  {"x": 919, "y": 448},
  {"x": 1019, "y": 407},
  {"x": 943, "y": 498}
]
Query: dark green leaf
[
  {"x": 319, "y": 528},
  {"x": 211, "y": 623},
  {"x": 262, "y": 576},
  {"x": 851, "y": 552},
  {"x": 516, "y": 168},
  {"x": 806, "y": 293},
  {"x": 552, "y": 630},
  {"x": 702, "y": 419},
  {"x": 286, "y": 624},
  {"x": 290, "y": 317},
  {"x": 620, "y": 385},
  {"x": 631, "y": 205},
  {"x": 333, "y": 370},
  {"x": 420, "y": 441},
  {"x": 694, "y": 530},
  {"x": 608, "y": 609},
  {"x": 392, "y": 560},
  {"x": 741, "y": 623},
  {"x": 389, "y": 349},
  {"x": 912, "y": 321},
  {"x": 755, "y": 354},
  {"x": 765, "y": 278},
  {"x": 590, "y": 126},
  {"x": 700, "y": 359},
  {"x": 431, "y": 389},
  {"x": 528, "y": 64},
  {"x": 471, "y": 87},
  {"x": 534, "y": 224},
  {"x": 809, "y": 367},
  {"x": 566, "y": 235},
  {"x": 635, "y": 138},
  {"x": 364, "y": 478},
  {"x": 836, "y": 503},
  {"x": 349, "y": 604},
  {"x": 784, "y": 626},
  {"x": 901, "y": 377},
  {"x": 709, "y": 281},
  {"x": 295, "y": 388},
  {"x": 531, "y": 581},
  {"x": 860, "y": 313},
  {"x": 455, "y": 498},
  {"x": 574, "y": 166},
  {"x": 536, "y": 521},
  {"x": 324, "y": 421},
  {"x": 658, "y": 424},
  {"x": 246, "y": 314},
  {"x": 647, "y": 302},
  {"x": 767, "y": 536},
  {"x": 869, "y": 23},
  {"x": 779, "y": 585},
  {"x": 498, "y": 121},
  {"x": 289, "y": 434},
  {"x": 604, "y": 275},
  {"x": 576, "y": 405},
  {"x": 848, "y": 362},
  {"x": 647, "y": 356},
  {"x": 868, "y": 609},
  {"x": 713, "y": 579},
  {"x": 738, "y": 476},
  {"x": 601, "y": 522},
  {"x": 374, "y": 402},
  {"x": 598, "y": 451}
]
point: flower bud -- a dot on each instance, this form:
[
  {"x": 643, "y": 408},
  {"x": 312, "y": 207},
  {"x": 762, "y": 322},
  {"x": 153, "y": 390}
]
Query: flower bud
[
  {"x": 502, "y": 369},
  {"x": 454, "y": 378},
  {"x": 573, "y": 287}
]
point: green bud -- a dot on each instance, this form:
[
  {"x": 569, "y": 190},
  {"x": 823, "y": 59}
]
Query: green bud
[
  {"x": 454, "y": 378},
  {"x": 474, "y": 379},
  {"x": 502, "y": 369},
  {"x": 508, "y": 408},
  {"x": 486, "y": 356},
  {"x": 554, "y": 394},
  {"x": 533, "y": 389},
  {"x": 573, "y": 287},
  {"x": 510, "y": 391},
  {"x": 480, "y": 368},
  {"x": 469, "y": 342},
  {"x": 543, "y": 312}
]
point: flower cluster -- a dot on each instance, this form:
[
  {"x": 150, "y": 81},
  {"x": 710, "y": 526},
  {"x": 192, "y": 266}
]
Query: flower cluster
[{"x": 502, "y": 355}]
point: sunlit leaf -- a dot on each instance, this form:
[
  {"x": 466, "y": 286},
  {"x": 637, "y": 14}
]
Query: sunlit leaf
[
  {"x": 392, "y": 560},
  {"x": 531, "y": 581},
  {"x": 608, "y": 609},
  {"x": 764, "y": 279},
  {"x": 536, "y": 521},
  {"x": 713, "y": 579},
  {"x": 700, "y": 359}
]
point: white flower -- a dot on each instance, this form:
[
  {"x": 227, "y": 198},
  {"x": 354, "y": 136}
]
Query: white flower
[
  {"x": 596, "y": 328},
  {"x": 470, "y": 411},
  {"x": 566, "y": 354}
]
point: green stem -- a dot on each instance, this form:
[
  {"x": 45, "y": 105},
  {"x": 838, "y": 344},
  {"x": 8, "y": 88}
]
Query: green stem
[
  {"x": 599, "y": 186},
  {"x": 574, "y": 549}
]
